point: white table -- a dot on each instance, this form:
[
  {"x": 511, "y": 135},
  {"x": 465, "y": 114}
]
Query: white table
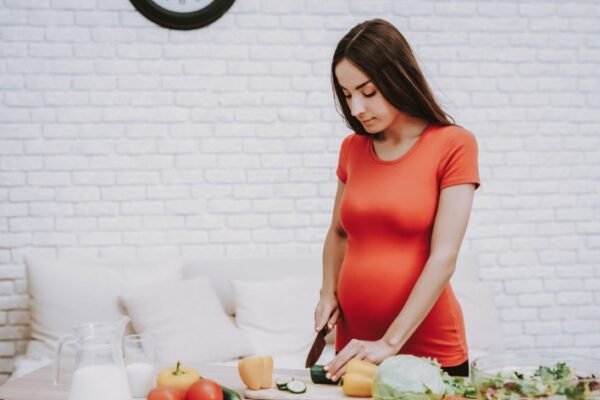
[{"x": 38, "y": 385}]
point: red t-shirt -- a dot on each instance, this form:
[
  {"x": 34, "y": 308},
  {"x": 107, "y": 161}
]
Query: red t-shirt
[{"x": 387, "y": 210}]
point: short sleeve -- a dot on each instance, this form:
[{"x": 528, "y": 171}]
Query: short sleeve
[
  {"x": 460, "y": 161},
  {"x": 342, "y": 168}
]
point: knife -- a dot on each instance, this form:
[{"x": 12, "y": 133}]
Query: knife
[{"x": 317, "y": 347}]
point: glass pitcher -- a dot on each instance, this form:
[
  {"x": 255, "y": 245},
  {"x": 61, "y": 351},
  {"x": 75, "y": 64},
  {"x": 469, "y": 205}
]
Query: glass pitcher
[{"x": 99, "y": 372}]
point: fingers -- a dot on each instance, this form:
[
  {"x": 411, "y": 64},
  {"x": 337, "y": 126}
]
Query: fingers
[
  {"x": 325, "y": 314},
  {"x": 336, "y": 367},
  {"x": 321, "y": 315},
  {"x": 338, "y": 374},
  {"x": 333, "y": 319}
]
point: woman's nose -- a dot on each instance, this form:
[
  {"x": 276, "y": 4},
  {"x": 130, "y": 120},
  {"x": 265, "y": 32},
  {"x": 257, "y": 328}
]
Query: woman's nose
[{"x": 357, "y": 106}]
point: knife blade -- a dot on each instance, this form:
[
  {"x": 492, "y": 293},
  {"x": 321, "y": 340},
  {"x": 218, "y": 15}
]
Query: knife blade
[{"x": 317, "y": 347}]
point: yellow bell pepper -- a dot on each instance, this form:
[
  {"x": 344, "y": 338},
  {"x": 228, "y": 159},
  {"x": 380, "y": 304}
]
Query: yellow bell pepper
[
  {"x": 256, "y": 372},
  {"x": 178, "y": 377},
  {"x": 358, "y": 378},
  {"x": 357, "y": 385},
  {"x": 361, "y": 367}
]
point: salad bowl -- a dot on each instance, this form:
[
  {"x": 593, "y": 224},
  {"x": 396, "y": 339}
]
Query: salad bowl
[{"x": 536, "y": 375}]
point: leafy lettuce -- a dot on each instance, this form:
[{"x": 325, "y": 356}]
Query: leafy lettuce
[{"x": 406, "y": 377}]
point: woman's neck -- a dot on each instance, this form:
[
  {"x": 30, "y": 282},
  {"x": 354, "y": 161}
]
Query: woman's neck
[{"x": 404, "y": 128}]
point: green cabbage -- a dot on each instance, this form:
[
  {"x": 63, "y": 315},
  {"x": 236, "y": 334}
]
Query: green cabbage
[{"x": 406, "y": 377}]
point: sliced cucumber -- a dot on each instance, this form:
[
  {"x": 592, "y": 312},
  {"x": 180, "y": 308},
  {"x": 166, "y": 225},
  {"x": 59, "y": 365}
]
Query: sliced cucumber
[
  {"x": 283, "y": 381},
  {"x": 296, "y": 387}
]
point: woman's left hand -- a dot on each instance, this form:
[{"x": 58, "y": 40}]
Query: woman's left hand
[{"x": 372, "y": 351}]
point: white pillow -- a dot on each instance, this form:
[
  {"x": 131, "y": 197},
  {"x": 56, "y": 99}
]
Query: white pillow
[
  {"x": 277, "y": 316},
  {"x": 186, "y": 321},
  {"x": 67, "y": 292},
  {"x": 482, "y": 321}
]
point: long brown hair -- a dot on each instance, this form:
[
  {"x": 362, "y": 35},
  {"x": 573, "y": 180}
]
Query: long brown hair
[{"x": 378, "y": 49}]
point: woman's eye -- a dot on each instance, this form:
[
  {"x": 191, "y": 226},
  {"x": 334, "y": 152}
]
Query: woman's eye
[{"x": 348, "y": 96}]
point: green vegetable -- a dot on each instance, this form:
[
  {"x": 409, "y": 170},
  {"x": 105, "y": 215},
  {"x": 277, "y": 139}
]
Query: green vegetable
[
  {"x": 318, "y": 375},
  {"x": 406, "y": 377},
  {"x": 230, "y": 394},
  {"x": 545, "y": 381},
  {"x": 459, "y": 386},
  {"x": 283, "y": 381},
  {"x": 296, "y": 387}
]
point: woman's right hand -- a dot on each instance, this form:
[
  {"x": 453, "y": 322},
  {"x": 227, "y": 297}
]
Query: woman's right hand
[{"x": 326, "y": 312}]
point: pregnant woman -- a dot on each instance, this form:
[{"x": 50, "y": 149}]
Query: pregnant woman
[{"x": 407, "y": 177}]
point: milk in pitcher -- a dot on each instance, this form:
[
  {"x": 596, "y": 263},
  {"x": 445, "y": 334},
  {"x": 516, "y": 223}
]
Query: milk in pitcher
[{"x": 100, "y": 382}]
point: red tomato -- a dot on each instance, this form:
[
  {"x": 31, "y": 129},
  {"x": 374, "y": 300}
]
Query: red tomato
[
  {"x": 164, "y": 393},
  {"x": 204, "y": 389}
]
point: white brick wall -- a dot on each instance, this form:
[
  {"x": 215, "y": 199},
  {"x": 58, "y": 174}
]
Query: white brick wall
[{"x": 118, "y": 137}]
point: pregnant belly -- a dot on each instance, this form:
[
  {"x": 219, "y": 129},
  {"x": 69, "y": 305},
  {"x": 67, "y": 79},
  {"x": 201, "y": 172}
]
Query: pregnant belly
[{"x": 373, "y": 288}]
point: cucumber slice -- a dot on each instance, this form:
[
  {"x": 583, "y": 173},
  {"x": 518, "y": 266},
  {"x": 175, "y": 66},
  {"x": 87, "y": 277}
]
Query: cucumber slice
[
  {"x": 296, "y": 387},
  {"x": 283, "y": 381}
]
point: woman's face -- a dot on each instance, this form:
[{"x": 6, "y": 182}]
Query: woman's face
[{"x": 366, "y": 102}]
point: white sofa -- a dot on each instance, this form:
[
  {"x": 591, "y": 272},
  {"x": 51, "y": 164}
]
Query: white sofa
[{"x": 211, "y": 309}]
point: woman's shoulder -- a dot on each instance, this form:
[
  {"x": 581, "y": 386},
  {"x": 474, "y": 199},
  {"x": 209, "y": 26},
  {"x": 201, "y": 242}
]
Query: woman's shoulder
[
  {"x": 455, "y": 134},
  {"x": 351, "y": 138}
]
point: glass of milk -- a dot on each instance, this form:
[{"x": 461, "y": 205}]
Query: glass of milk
[{"x": 138, "y": 352}]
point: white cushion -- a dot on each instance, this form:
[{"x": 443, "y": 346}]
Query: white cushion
[
  {"x": 482, "y": 321},
  {"x": 186, "y": 321},
  {"x": 223, "y": 270},
  {"x": 277, "y": 316},
  {"x": 68, "y": 292}
]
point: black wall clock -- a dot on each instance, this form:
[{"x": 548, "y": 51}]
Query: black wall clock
[{"x": 182, "y": 14}]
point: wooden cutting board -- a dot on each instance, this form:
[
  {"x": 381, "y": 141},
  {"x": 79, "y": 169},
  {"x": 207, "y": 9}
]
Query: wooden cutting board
[{"x": 313, "y": 392}]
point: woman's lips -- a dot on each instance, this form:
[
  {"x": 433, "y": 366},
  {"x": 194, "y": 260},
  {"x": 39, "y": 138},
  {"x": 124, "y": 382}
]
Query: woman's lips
[{"x": 366, "y": 121}]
